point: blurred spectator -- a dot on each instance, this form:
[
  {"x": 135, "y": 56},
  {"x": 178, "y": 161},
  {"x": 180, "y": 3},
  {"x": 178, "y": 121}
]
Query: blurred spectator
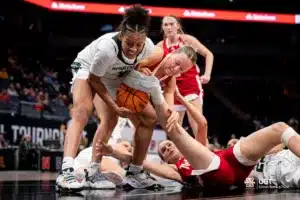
[
  {"x": 294, "y": 123},
  {"x": 11, "y": 91},
  {"x": 24, "y": 148},
  {"x": 3, "y": 143},
  {"x": 4, "y": 95}
]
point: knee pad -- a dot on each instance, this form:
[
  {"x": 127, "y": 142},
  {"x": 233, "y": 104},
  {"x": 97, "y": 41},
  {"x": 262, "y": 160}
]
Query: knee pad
[{"x": 287, "y": 134}]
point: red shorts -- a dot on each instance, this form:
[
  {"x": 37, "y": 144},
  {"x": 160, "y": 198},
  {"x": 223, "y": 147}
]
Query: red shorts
[
  {"x": 231, "y": 171},
  {"x": 191, "y": 89}
]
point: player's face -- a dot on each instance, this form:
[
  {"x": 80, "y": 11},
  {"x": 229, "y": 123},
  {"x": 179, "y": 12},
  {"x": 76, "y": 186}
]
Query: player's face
[
  {"x": 124, "y": 146},
  {"x": 177, "y": 63},
  {"x": 170, "y": 26},
  {"x": 168, "y": 151},
  {"x": 132, "y": 44}
]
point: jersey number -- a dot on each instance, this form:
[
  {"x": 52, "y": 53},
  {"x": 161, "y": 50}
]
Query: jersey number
[
  {"x": 76, "y": 66},
  {"x": 260, "y": 166}
]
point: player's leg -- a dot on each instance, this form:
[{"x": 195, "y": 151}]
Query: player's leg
[
  {"x": 144, "y": 123},
  {"x": 197, "y": 154},
  {"x": 251, "y": 148},
  {"x": 108, "y": 121},
  {"x": 199, "y": 135},
  {"x": 82, "y": 108}
]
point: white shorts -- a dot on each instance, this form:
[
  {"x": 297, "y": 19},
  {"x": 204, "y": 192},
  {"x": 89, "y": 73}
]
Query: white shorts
[
  {"x": 288, "y": 170},
  {"x": 190, "y": 97}
]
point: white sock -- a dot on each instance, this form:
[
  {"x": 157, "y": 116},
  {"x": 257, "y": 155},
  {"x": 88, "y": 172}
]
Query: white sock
[
  {"x": 93, "y": 168},
  {"x": 135, "y": 168},
  {"x": 68, "y": 162}
]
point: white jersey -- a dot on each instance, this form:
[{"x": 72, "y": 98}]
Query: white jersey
[
  {"x": 282, "y": 167},
  {"x": 104, "y": 57}
]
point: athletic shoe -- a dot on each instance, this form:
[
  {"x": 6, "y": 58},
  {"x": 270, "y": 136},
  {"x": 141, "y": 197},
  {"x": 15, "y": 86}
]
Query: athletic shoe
[
  {"x": 141, "y": 180},
  {"x": 66, "y": 181},
  {"x": 98, "y": 181}
]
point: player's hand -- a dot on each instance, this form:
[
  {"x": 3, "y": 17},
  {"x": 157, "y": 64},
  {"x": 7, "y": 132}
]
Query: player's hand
[
  {"x": 103, "y": 149},
  {"x": 172, "y": 120},
  {"x": 123, "y": 112},
  {"x": 145, "y": 71},
  {"x": 204, "y": 79}
]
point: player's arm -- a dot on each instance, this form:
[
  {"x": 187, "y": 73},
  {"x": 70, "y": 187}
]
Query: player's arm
[
  {"x": 155, "y": 57},
  {"x": 201, "y": 135},
  {"x": 163, "y": 170},
  {"x": 202, "y": 50},
  {"x": 169, "y": 91},
  {"x": 100, "y": 64}
]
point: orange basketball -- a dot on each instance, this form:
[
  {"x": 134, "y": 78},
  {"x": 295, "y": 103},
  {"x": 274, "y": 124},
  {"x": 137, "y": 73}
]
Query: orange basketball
[{"x": 131, "y": 99}]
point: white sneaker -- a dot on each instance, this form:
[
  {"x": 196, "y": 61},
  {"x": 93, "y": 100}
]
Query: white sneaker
[
  {"x": 66, "y": 181},
  {"x": 98, "y": 181},
  {"x": 114, "y": 177},
  {"x": 140, "y": 180}
]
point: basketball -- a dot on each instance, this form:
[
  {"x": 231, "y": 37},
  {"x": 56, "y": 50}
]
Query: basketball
[{"x": 131, "y": 99}]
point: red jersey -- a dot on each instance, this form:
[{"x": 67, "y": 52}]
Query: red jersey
[
  {"x": 229, "y": 172},
  {"x": 188, "y": 82}
]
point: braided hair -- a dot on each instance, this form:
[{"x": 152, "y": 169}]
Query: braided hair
[{"x": 135, "y": 19}]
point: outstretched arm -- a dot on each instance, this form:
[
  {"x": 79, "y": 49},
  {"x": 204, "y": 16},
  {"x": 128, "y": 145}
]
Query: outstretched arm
[
  {"x": 201, "y": 134},
  {"x": 202, "y": 50}
]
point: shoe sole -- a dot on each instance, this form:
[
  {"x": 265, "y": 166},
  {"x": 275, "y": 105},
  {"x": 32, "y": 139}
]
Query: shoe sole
[
  {"x": 127, "y": 187},
  {"x": 60, "y": 189}
]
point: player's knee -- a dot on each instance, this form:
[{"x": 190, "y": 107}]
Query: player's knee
[
  {"x": 279, "y": 127},
  {"x": 81, "y": 112},
  {"x": 149, "y": 122}
]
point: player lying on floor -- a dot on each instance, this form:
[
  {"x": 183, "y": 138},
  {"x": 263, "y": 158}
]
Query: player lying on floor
[
  {"x": 187, "y": 157},
  {"x": 280, "y": 167},
  {"x": 111, "y": 167}
]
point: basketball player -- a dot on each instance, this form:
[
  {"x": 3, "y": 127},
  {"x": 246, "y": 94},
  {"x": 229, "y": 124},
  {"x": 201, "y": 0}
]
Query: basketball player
[
  {"x": 109, "y": 167},
  {"x": 100, "y": 68},
  {"x": 189, "y": 83},
  {"x": 224, "y": 167}
]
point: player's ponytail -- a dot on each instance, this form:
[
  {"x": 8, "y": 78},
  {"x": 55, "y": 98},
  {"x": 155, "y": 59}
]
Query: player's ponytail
[{"x": 136, "y": 19}]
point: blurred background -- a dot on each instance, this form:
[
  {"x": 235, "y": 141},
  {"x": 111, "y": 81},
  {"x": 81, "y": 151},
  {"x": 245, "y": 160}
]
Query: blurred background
[{"x": 255, "y": 79}]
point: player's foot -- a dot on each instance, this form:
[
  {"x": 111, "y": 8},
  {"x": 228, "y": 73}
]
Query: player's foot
[
  {"x": 66, "y": 181},
  {"x": 140, "y": 180},
  {"x": 98, "y": 181}
]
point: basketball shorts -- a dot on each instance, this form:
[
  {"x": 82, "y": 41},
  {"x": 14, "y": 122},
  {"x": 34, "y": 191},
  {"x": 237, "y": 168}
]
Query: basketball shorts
[
  {"x": 191, "y": 89},
  {"x": 287, "y": 171},
  {"x": 234, "y": 168}
]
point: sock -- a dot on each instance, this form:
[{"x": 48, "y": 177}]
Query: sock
[
  {"x": 68, "y": 162},
  {"x": 93, "y": 168},
  {"x": 135, "y": 168}
]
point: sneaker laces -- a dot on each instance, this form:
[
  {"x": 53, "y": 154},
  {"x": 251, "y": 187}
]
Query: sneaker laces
[
  {"x": 69, "y": 176},
  {"x": 96, "y": 178}
]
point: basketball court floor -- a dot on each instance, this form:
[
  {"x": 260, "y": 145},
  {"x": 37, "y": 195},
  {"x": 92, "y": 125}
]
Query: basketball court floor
[{"x": 35, "y": 185}]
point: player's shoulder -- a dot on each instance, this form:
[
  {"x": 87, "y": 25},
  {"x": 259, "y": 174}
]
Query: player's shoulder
[
  {"x": 107, "y": 43},
  {"x": 160, "y": 44},
  {"x": 149, "y": 42}
]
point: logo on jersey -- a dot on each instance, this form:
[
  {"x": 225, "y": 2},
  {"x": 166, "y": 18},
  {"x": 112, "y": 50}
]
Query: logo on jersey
[
  {"x": 249, "y": 182},
  {"x": 123, "y": 68}
]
